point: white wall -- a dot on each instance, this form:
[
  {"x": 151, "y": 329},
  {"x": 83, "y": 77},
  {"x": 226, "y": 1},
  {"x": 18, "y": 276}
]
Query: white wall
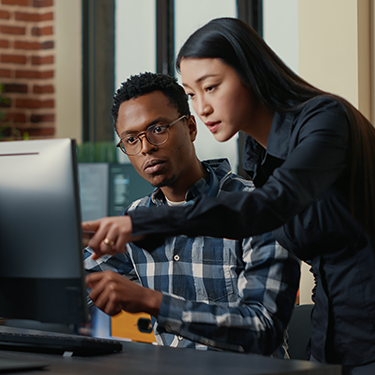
[
  {"x": 68, "y": 54},
  {"x": 335, "y": 48},
  {"x": 328, "y": 36}
]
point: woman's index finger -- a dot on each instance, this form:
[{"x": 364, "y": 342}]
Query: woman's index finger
[{"x": 90, "y": 226}]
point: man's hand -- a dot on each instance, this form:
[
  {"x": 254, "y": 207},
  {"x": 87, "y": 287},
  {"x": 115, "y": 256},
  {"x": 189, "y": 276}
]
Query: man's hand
[
  {"x": 112, "y": 293},
  {"x": 109, "y": 235}
]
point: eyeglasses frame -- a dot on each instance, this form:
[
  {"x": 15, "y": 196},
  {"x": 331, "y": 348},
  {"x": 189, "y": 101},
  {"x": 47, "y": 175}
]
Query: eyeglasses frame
[{"x": 144, "y": 133}]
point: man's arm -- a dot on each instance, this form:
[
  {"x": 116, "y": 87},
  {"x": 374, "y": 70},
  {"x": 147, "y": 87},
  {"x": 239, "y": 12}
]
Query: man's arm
[{"x": 267, "y": 289}]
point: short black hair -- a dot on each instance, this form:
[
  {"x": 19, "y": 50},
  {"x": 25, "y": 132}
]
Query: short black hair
[{"x": 145, "y": 83}]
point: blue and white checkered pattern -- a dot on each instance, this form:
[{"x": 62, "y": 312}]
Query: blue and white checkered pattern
[{"x": 220, "y": 293}]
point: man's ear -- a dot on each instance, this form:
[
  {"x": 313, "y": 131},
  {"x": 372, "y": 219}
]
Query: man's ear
[{"x": 192, "y": 126}]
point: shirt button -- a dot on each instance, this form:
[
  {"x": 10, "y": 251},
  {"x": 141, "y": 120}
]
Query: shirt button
[
  {"x": 176, "y": 258},
  {"x": 168, "y": 328}
]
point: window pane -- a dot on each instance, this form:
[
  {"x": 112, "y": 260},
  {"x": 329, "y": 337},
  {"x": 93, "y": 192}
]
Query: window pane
[
  {"x": 135, "y": 45},
  {"x": 281, "y": 33},
  {"x": 189, "y": 16},
  {"x": 135, "y": 38}
]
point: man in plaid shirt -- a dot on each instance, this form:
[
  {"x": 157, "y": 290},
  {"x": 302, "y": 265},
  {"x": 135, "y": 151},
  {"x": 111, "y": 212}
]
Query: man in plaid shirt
[{"x": 202, "y": 292}]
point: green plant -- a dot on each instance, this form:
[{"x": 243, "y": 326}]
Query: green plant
[
  {"x": 2, "y": 100},
  {"x": 99, "y": 152},
  {"x": 7, "y": 131}
]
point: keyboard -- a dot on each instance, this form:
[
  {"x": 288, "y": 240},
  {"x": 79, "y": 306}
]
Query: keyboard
[{"x": 58, "y": 343}]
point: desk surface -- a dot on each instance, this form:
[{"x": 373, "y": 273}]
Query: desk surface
[{"x": 142, "y": 359}]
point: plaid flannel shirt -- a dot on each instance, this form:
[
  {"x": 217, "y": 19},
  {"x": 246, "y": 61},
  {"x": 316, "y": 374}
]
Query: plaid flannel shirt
[{"x": 219, "y": 293}]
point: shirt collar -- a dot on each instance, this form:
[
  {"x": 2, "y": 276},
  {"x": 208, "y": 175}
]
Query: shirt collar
[
  {"x": 279, "y": 137},
  {"x": 277, "y": 143}
]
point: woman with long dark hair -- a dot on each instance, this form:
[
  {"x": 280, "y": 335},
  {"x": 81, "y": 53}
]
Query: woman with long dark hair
[{"x": 311, "y": 156}]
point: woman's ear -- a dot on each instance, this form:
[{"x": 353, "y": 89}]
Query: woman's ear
[{"x": 192, "y": 126}]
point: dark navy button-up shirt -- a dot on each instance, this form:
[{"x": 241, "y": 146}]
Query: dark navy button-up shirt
[{"x": 302, "y": 195}]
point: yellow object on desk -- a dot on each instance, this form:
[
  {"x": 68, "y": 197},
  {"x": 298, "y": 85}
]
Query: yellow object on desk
[{"x": 136, "y": 327}]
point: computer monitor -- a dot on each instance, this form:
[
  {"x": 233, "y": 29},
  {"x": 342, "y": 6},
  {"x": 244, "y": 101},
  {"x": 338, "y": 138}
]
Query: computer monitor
[{"x": 41, "y": 262}]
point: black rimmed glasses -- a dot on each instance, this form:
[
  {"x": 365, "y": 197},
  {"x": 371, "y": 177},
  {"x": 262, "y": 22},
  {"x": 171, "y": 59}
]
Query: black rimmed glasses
[{"x": 156, "y": 134}]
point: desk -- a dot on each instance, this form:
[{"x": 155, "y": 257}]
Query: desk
[{"x": 147, "y": 359}]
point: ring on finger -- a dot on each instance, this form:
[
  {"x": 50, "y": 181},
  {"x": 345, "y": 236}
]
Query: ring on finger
[{"x": 108, "y": 242}]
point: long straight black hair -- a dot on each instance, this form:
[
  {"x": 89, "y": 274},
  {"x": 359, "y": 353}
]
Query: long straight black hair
[{"x": 280, "y": 89}]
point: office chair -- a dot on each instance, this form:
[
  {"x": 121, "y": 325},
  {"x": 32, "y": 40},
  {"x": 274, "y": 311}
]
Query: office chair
[{"x": 299, "y": 331}]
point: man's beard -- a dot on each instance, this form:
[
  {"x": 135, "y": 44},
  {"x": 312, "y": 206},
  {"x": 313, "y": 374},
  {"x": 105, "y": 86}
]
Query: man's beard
[{"x": 167, "y": 182}]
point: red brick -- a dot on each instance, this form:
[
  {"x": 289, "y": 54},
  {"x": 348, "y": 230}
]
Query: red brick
[
  {"x": 4, "y": 43},
  {"x": 15, "y": 2},
  {"x": 4, "y": 15},
  {"x": 46, "y": 89},
  {"x": 14, "y": 59},
  {"x": 20, "y": 44},
  {"x": 40, "y": 132},
  {"x": 46, "y": 16},
  {"x": 48, "y": 45},
  {"x": 42, "y": 3},
  {"x": 15, "y": 87},
  {"x": 15, "y": 117},
  {"x": 40, "y": 60},
  {"x": 23, "y": 16},
  {"x": 47, "y": 74},
  {"x": 33, "y": 17},
  {"x": 12, "y": 30},
  {"x": 5, "y": 73},
  {"x": 34, "y": 74},
  {"x": 42, "y": 118},
  {"x": 34, "y": 103},
  {"x": 39, "y": 31}
]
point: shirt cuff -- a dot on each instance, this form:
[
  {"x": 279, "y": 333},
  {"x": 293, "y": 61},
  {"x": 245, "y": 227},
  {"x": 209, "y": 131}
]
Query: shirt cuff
[{"x": 170, "y": 314}]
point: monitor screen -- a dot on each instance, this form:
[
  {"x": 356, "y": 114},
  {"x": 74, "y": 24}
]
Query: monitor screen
[{"x": 41, "y": 262}]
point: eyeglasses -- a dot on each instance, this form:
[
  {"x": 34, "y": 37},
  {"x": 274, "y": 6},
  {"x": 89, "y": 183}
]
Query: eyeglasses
[{"x": 156, "y": 134}]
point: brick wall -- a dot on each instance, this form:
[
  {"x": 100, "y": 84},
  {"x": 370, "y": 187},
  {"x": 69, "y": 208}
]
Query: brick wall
[{"x": 27, "y": 66}]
